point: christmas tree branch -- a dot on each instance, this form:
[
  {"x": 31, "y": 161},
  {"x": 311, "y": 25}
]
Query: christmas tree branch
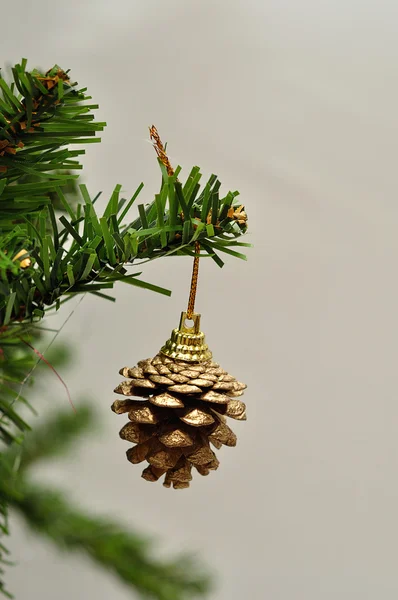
[
  {"x": 87, "y": 252},
  {"x": 109, "y": 544},
  {"x": 45, "y": 255},
  {"x": 56, "y": 435},
  {"x": 40, "y": 113},
  {"x": 126, "y": 554}
]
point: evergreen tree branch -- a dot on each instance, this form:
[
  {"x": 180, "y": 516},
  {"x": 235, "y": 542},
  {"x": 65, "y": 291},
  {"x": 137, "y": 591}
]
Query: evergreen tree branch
[
  {"x": 87, "y": 252},
  {"x": 125, "y": 553},
  {"x": 107, "y": 543},
  {"x": 45, "y": 256},
  {"x": 56, "y": 435},
  {"x": 40, "y": 113}
]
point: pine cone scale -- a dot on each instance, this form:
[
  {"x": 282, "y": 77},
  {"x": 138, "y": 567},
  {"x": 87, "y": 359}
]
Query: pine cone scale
[
  {"x": 185, "y": 388},
  {"x": 197, "y": 417},
  {"x": 164, "y": 458},
  {"x": 214, "y": 397},
  {"x": 144, "y": 413},
  {"x": 177, "y": 438},
  {"x": 166, "y": 400}
]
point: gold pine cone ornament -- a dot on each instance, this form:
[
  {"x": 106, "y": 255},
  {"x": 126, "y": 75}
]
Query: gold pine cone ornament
[{"x": 178, "y": 406}]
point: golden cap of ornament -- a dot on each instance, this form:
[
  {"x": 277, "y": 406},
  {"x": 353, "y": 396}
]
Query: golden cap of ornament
[{"x": 187, "y": 342}]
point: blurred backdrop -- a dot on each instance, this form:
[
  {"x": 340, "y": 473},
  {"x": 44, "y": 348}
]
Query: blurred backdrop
[{"x": 294, "y": 104}]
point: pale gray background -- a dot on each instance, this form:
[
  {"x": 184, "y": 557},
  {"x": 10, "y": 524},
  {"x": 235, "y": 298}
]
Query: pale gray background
[{"x": 293, "y": 103}]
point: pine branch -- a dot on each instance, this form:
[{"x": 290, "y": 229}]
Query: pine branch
[
  {"x": 46, "y": 257},
  {"x": 16, "y": 361},
  {"x": 40, "y": 113},
  {"x": 107, "y": 543},
  {"x": 125, "y": 553},
  {"x": 56, "y": 435},
  {"x": 87, "y": 252}
]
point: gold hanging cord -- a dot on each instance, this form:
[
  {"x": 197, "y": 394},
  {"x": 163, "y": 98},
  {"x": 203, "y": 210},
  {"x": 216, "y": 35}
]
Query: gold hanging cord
[{"x": 160, "y": 151}]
